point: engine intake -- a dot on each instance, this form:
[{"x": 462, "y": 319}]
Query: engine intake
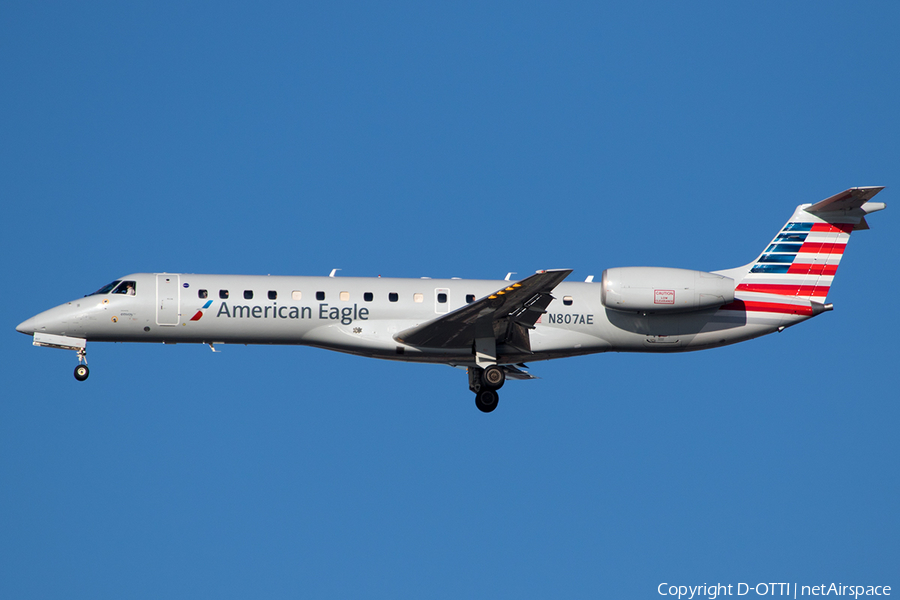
[{"x": 660, "y": 289}]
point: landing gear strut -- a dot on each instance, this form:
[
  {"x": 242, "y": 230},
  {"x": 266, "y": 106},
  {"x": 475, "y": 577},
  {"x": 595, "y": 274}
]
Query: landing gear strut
[
  {"x": 82, "y": 371},
  {"x": 485, "y": 383}
]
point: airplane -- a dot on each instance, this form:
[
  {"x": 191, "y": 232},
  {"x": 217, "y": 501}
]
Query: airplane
[{"x": 490, "y": 328}]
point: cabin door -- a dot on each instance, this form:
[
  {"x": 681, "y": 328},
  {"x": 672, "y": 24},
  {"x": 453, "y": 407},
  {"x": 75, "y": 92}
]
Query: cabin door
[{"x": 167, "y": 299}]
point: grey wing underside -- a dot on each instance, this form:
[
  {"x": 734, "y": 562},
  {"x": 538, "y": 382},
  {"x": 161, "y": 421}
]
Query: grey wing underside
[{"x": 507, "y": 315}]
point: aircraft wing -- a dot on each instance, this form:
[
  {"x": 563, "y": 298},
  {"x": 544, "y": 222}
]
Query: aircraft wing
[{"x": 507, "y": 315}]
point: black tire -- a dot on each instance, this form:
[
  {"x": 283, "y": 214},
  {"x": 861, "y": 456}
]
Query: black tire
[
  {"x": 494, "y": 377},
  {"x": 82, "y": 372},
  {"x": 486, "y": 400}
]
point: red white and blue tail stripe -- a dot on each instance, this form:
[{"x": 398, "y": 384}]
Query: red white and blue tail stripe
[{"x": 794, "y": 273}]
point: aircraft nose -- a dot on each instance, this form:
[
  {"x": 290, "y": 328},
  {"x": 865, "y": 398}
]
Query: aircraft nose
[
  {"x": 27, "y": 327},
  {"x": 56, "y": 321}
]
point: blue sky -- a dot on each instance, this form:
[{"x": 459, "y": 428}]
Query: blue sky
[{"x": 442, "y": 140}]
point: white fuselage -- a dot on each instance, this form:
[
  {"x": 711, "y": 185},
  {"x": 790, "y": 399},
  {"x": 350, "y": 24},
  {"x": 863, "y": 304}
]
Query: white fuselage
[{"x": 362, "y": 315}]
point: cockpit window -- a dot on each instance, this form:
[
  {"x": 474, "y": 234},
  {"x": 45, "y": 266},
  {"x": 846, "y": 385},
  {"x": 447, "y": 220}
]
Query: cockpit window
[
  {"x": 126, "y": 287},
  {"x": 106, "y": 288}
]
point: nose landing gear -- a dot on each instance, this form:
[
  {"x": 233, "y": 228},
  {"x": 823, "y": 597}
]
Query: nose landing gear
[{"x": 82, "y": 371}]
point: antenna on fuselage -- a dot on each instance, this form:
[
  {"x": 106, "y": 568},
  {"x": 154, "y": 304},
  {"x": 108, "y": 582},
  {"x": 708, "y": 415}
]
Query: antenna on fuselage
[
  {"x": 333, "y": 271},
  {"x": 508, "y": 275}
]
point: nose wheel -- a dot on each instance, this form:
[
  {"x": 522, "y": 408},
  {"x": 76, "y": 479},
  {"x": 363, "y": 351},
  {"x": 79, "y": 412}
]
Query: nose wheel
[{"x": 82, "y": 371}]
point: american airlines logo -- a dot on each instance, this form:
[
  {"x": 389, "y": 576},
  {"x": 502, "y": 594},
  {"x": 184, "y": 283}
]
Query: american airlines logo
[{"x": 199, "y": 314}]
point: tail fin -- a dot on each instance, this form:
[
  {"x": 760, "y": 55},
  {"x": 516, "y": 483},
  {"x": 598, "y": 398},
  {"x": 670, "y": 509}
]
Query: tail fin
[{"x": 803, "y": 258}]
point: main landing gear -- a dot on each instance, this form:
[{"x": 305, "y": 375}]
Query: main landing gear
[
  {"x": 485, "y": 383},
  {"x": 82, "y": 371}
]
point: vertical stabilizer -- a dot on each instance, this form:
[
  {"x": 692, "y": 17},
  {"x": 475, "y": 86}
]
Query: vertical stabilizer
[{"x": 803, "y": 258}]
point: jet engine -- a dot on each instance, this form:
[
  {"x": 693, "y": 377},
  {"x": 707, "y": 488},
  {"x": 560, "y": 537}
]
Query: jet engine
[{"x": 663, "y": 290}]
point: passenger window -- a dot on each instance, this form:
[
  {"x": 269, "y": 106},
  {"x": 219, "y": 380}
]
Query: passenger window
[
  {"x": 248, "y": 294},
  {"x": 345, "y": 296},
  {"x": 393, "y": 296},
  {"x": 368, "y": 296},
  {"x": 223, "y": 294},
  {"x": 296, "y": 295},
  {"x": 470, "y": 298},
  {"x": 418, "y": 297},
  {"x": 567, "y": 300},
  {"x": 202, "y": 294},
  {"x": 127, "y": 288},
  {"x": 320, "y": 295},
  {"x": 442, "y": 298},
  {"x": 273, "y": 295}
]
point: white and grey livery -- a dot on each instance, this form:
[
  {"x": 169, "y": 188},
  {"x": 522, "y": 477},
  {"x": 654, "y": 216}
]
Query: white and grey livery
[{"x": 489, "y": 327}]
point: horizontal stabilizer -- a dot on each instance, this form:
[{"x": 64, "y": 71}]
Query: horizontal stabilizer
[{"x": 846, "y": 200}]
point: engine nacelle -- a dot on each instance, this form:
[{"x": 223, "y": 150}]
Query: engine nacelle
[{"x": 660, "y": 289}]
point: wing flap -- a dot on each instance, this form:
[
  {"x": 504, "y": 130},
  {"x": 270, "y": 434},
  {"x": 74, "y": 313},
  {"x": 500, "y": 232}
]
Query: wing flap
[{"x": 516, "y": 372}]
